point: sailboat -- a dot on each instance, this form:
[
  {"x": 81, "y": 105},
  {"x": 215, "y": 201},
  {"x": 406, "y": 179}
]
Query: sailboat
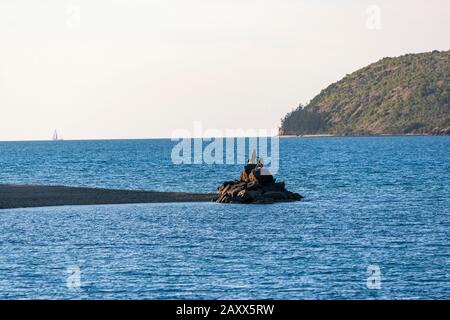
[{"x": 56, "y": 137}]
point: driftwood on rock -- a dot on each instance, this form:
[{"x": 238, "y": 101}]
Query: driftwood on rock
[{"x": 256, "y": 185}]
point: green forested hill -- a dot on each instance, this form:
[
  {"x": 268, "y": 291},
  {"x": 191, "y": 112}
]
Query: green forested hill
[{"x": 407, "y": 94}]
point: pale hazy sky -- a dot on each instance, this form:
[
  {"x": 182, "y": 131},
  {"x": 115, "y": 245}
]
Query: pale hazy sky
[{"x": 141, "y": 69}]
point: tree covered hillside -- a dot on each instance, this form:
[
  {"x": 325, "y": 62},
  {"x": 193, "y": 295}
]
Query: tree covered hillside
[{"x": 407, "y": 94}]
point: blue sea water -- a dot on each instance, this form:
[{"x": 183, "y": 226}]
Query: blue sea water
[{"x": 369, "y": 201}]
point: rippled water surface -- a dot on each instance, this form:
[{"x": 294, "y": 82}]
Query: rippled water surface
[{"x": 369, "y": 201}]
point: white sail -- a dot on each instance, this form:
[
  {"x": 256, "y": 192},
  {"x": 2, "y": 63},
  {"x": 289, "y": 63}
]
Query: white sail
[{"x": 55, "y": 136}]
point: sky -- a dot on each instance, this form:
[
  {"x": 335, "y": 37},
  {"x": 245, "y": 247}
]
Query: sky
[{"x": 108, "y": 69}]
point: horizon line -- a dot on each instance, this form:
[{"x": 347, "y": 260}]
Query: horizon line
[{"x": 149, "y": 138}]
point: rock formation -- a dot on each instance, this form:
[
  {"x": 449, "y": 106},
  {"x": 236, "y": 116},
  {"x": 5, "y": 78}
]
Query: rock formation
[{"x": 256, "y": 185}]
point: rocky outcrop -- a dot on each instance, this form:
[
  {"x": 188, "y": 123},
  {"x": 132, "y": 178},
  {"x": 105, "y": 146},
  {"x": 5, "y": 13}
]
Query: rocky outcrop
[
  {"x": 256, "y": 185},
  {"x": 441, "y": 131}
]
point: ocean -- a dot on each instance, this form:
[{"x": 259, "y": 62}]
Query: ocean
[{"x": 374, "y": 224}]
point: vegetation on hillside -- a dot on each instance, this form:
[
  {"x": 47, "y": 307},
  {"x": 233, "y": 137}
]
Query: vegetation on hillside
[{"x": 403, "y": 95}]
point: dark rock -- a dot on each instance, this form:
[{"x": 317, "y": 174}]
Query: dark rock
[
  {"x": 244, "y": 177},
  {"x": 224, "y": 188},
  {"x": 249, "y": 167},
  {"x": 277, "y": 196},
  {"x": 253, "y": 186},
  {"x": 264, "y": 201},
  {"x": 237, "y": 200},
  {"x": 246, "y": 172},
  {"x": 256, "y": 185},
  {"x": 277, "y": 186},
  {"x": 249, "y": 196},
  {"x": 244, "y": 195},
  {"x": 226, "y": 183},
  {"x": 222, "y": 198},
  {"x": 254, "y": 194},
  {"x": 258, "y": 175},
  {"x": 235, "y": 189}
]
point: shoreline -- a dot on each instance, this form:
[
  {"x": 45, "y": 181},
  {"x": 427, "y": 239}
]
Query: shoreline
[
  {"x": 324, "y": 135},
  {"x": 14, "y": 196},
  {"x": 358, "y": 136}
]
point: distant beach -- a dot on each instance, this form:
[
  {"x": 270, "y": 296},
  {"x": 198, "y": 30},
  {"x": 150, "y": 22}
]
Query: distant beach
[
  {"x": 24, "y": 196},
  {"x": 306, "y": 135},
  {"x": 372, "y": 135}
]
